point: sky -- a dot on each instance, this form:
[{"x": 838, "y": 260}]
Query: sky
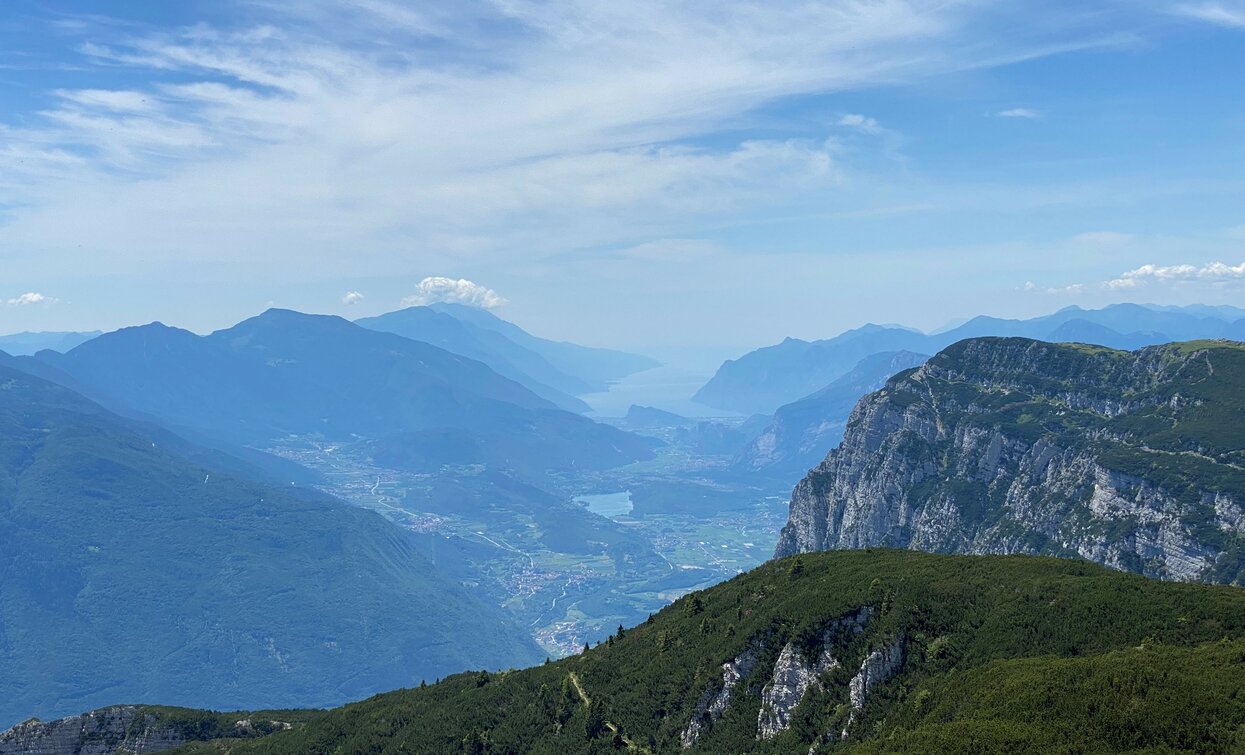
[{"x": 700, "y": 177}]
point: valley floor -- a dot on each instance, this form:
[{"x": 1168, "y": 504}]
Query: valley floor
[{"x": 569, "y": 590}]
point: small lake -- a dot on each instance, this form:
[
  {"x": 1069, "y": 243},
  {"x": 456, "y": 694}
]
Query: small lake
[{"x": 607, "y": 504}]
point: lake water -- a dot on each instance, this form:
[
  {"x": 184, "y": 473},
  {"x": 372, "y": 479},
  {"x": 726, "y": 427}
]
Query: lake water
[
  {"x": 608, "y": 504},
  {"x": 667, "y": 387}
]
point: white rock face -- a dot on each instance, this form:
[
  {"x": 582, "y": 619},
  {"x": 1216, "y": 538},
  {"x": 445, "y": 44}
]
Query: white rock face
[
  {"x": 878, "y": 668},
  {"x": 792, "y": 678},
  {"x": 715, "y": 702},
  {"x": 917, "y": 470},
  {"x": 100, "y": 732}
]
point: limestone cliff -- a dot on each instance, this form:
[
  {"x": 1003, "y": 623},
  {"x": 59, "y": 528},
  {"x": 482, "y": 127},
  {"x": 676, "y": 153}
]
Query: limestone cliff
[
  {"x": 123, "y": 730},
  {"x": 1131, "y": 459},
  {"x": 132, "y": 730}
]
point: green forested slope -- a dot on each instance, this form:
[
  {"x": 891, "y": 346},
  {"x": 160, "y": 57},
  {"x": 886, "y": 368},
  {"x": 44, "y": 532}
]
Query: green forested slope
[{"x": 1000, "y": 654}]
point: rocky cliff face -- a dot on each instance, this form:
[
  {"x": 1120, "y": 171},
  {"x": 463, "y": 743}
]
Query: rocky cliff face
[
  {"x": 1132, "y": 459},
  {"x": 131, "y": 730},
  {"x": 121, "y": 730},
  {"x": 713, "y": 703},
  {"x": 797, "y": 670}
]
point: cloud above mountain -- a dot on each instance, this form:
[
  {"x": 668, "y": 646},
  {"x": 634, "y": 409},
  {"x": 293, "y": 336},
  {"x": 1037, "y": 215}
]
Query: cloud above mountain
[
  {"x": 30, "y": 298},
  {"x": 434, "y": 290},
  {"x": 1213, "y": 272}
]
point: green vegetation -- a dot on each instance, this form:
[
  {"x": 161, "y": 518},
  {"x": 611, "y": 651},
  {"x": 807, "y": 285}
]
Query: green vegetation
[{"x": 1002, "y": 654}]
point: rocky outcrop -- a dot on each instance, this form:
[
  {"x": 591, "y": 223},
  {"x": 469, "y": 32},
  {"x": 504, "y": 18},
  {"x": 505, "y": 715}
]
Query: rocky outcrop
[
  {"x": 793, "y": 676},
  {"x": 1017, "y": 446},
  {"x": 879, "y": 667},
  {"x": 796, "y": 670},
  {"x": 715, "y": 701},
  {"x": 122, "y": 730}
]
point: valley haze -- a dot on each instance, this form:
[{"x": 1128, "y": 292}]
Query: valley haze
[{"x": 808, "y": 377}]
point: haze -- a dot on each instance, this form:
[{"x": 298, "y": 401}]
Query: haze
[{"x": 675, "y": 179}]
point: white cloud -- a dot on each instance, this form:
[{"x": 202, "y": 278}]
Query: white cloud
[
  {"x": 485, "y": 130},
  {"x": 29, "y": 298},
  {"x": 1229, "y": 14},
  {"x": 352, "y": 297},
  {"x": 1019, "y": 112},
  {"x": 1215, "y": 272},
  {"x": 458, "y": 291},
  {"x": 860, "y": 123}
]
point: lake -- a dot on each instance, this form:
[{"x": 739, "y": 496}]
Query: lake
[{"x": 607, "y": 504}]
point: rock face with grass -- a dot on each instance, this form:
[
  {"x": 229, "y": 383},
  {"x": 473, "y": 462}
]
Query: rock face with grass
[
  {"x": 120, "y": 729},
  {"x": 1007, "y": 445}
]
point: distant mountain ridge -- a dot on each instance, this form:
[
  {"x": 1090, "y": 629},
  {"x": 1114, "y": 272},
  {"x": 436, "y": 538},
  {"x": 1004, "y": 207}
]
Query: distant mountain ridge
[
  {"x": 285, "y": 372},
  {"x": 129, "y": 572},
  {"x": 491, "y": 347},
  {"x": 598, "y": 366},
  {"x": 26, "y": 344},
  {"x": 1005, "y": 445},
  {"x": 802, "y": 432},
  {"x": 767, "y": 378}
]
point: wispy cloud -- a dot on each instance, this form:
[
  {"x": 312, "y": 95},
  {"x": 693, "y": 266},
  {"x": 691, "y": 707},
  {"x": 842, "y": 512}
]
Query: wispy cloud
[
  {"x": 1229, "y": 14},
  {"x": 30, "y": 298},
  {"x": 456, "y": 291},
  {"x": 1019, "y": 112},
  {"x": 493, "y": 129}
]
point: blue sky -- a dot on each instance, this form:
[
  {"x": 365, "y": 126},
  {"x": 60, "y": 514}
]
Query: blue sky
[{"x": 700, "y": 176}]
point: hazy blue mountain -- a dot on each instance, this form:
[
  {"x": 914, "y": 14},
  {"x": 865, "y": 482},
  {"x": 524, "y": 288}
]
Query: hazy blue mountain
[
  {"x": 25, "y": 344},
  {"x": 129, "y": 572},
  {"x": 1084, "y": 331},
  {"x": 763, "y": 380},
  {"x": 596, "y": 366},
  {"x": 803, "y": 432},
  {"x": 196, "y": 446},
  {"x": 506, "y": 357},
  {"x": 651, "y": 418},
  {"x": 710, "y": 438},
  {"x": 1224, "y": 312},
  {"x": 284, "y": 373},
  {"x": 767, "y": 378}
]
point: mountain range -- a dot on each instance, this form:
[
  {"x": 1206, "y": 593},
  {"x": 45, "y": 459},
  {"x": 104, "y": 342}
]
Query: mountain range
[
  {"x": 131, "y": 572},
  {"x": 26, "y": 344},
  {"x": 596, "y": 366},
  {"x": 1005, "y": 445},
  {"x": 504, "y": 356},
  {"x": 285, "y": 373},
  {"x": 762, "y": 380}
]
